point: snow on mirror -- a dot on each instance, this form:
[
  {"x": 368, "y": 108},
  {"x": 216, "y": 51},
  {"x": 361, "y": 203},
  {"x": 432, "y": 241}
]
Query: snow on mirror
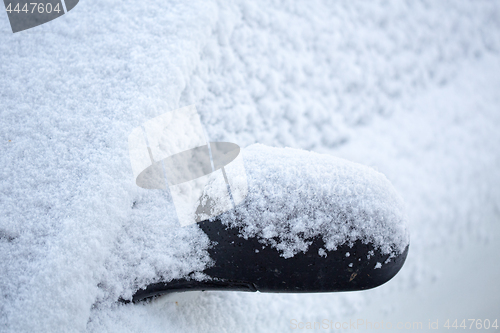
[{"x": 278, "y": 219}]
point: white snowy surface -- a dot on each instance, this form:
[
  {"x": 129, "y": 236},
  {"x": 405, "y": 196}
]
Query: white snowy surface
[
  {"x": 409, "y": 88},
  {"x": 295, "y": 195}
]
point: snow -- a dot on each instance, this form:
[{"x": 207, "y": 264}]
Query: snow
[
  {"x": 295, "y": 195},
  {"x": 407, "y": 88}
]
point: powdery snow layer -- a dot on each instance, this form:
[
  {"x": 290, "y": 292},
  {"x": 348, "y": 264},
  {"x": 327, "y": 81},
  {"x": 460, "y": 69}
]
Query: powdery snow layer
[
  {"x": 76, "y": 232},
  {"x": 295, "y": 195}
]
